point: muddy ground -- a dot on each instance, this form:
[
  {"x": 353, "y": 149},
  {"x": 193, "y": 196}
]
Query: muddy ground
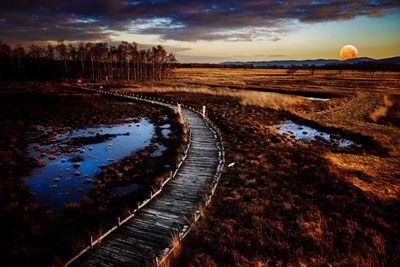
[{"x": 39, "y": 235}]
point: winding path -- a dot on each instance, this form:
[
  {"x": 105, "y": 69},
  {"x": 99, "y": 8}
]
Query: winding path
[{"x": 141, "y": 240}]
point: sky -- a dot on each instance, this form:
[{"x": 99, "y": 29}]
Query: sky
[{"x": 212, "y": 31}]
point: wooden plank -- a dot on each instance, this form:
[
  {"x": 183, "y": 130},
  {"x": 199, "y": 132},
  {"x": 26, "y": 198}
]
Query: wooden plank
[{"x": 145, "y": 235}]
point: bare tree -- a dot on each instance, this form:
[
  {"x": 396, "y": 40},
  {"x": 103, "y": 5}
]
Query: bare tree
[
  {"x": 61, "y": 49},
  {"x": 93, "y": 61}
]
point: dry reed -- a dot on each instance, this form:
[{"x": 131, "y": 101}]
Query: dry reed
[
  {"x": 382, "y": 111},
  {"x": 247, "y": 98}
]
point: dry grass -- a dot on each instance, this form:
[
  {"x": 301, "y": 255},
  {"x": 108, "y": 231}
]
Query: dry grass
[
  {"x": 283, "y": 202},
  {"x": 176, "y": 249},
  {"x": 379, "y": 179},
  {"x": 382, "y": 111},
  {"x": 260, "y": 99},
  {"x": 330, "y": 81},
  {"x": 355, "y": 116},
  {"x": 389, "y": 114},
  {"x": 291, "y": 203}
]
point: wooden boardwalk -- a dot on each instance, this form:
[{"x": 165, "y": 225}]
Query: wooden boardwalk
[{"x": 144, "y": 237}]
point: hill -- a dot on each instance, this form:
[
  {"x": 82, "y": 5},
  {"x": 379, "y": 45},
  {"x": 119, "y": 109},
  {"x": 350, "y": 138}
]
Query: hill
[{"x": 313, "y": 62}]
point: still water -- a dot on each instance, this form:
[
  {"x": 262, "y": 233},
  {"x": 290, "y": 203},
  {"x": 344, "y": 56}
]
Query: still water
[
  {"x": 302, "y": 132},
  {"x": 69, "y": 173}
]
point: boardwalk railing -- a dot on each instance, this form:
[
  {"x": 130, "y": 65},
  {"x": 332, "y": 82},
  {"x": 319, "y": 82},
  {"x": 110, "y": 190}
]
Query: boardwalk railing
[{"x": 181, "y": 233}]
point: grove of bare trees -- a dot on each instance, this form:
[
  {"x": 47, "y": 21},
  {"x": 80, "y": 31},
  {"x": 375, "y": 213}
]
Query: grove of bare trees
[{"x": 86, "y": 61}]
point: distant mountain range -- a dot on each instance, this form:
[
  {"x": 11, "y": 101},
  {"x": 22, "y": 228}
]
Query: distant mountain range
[{"x": 315, "y": 62}]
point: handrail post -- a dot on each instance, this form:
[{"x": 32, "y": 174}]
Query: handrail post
[{"x": 207, "y": 199}]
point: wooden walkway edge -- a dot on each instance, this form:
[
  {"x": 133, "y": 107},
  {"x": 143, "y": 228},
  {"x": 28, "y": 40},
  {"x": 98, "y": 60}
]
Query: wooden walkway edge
[{"x": 146, "y": 238}]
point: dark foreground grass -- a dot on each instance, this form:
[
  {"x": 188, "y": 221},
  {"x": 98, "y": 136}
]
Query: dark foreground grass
[
  {"x": 32, "y": 235},
  {"x": 285, "y": 203}
]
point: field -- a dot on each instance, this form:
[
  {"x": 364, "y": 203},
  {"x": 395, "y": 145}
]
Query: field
[
  {"x": 166, "y": 133},
  {"x": 315, "y": 179},
  {"x": 324, "y": 82},
  {"x": 297, "y": 202}
]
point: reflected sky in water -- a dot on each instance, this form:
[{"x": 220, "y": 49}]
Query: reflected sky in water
[
  {"x": 302, "y": 132},
  {"x": 56, "y": 184}
]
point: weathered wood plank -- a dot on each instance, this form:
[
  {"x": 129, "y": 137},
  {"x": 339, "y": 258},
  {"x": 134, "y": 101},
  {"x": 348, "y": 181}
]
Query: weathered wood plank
[{"x": 137, "y": 242}]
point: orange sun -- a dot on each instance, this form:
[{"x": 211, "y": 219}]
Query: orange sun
[{"x": 348, "y": 52}]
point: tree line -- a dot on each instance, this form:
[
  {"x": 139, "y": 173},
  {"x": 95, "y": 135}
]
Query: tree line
[
  {"x": 86, "y": 61},
  {"x": 363, "y": 66}
]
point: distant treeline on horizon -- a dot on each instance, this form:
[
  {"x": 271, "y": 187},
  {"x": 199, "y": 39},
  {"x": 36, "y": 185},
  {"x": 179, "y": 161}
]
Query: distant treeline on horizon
[
  {"x": 87, "y": 61},
  {"x": 363, "y": 66}
]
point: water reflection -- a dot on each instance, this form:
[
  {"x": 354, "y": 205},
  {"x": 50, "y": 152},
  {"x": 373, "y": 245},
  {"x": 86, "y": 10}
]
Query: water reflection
[
  {"x": 316, "y": 98},
  {"x": 302, "y": 132},
  {"x": 70, "y": 167}
]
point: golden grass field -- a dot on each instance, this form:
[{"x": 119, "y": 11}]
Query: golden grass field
[
  {"x": 284, "y": 202},
  {"x": 365, "y": 101},
  {"x": 322, "y": 81},
  {"x": 297, "y": 203}
]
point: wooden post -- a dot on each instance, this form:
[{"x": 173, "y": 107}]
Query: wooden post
[
  {"x": 204, "y": 111},
  {"x": 119, "y": 221},
  {"x": 91, "y": 241}
]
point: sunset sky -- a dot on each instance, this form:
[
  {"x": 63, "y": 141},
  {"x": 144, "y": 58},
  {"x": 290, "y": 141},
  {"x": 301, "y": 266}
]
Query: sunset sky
[{"x": 213, "y": 31}]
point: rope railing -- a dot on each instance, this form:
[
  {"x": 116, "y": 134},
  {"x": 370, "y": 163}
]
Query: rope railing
[
  {"x": 140, "y": 204},
  {"x": 197, "y": 214},
  {"x": 181, "y": 233}
]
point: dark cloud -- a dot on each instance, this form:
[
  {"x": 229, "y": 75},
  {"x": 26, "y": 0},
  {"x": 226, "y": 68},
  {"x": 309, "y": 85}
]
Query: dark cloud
[{"x": 76, "y": 20}]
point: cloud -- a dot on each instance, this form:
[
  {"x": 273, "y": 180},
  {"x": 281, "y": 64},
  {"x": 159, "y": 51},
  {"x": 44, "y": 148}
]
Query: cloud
[
  {"x": 276, "y": 56},
  {"x": 181, "y": 20},
  {"x": 169, "y": 48}
]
